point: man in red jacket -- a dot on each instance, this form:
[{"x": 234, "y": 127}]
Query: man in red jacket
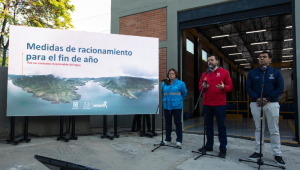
[{"x": 216, "y": 83}]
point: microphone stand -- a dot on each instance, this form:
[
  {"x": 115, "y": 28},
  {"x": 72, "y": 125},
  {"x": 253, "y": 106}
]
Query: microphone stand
[
  {"x": 260, "y": 161},
  {"x": 162, "y": 125},
  {"x": 203, "y": 151}
]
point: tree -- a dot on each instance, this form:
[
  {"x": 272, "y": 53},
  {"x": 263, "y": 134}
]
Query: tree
[
  {"x": 1, "y": 58},
  {"x": 35, "y": 13}
]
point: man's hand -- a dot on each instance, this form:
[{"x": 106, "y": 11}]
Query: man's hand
[
  {"x": 220, "y": 86},
  {"x": 205, "y": 85},
  {"x": 265, "y": 101}
]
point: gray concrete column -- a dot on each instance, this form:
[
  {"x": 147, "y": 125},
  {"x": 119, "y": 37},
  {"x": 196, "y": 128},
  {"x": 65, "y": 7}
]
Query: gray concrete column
[{"x": 296, "y": 37}]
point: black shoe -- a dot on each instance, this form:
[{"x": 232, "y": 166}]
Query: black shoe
[
  {"x": 279, "y": 161},
  {"x": 255, "y": 156},
  {"x": 206, "y": 148},
  {"x": 222, "y": 153}
]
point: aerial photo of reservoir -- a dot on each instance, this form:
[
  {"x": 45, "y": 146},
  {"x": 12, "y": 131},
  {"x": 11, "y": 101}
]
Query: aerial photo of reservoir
[{"x": 50, "y": 95}]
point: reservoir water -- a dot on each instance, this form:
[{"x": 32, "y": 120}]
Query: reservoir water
[{"x": 95, "y": 100}]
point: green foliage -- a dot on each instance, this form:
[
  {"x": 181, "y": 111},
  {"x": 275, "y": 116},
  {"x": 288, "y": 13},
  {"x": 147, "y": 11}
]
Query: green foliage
[
  {"x": 125, "y": 86},
  {"x": 1, "y": 57},
  {"x": 34, "y": 13},
  {"x": 6, "y": 63},
  {"x": 48, "y": 87}
]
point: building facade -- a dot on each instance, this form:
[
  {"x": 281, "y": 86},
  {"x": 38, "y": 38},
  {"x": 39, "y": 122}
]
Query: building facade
[{"x": 176, "y": 22}]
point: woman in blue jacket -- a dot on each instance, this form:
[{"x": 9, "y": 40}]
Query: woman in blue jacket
[{"x": 174, "y": 91}]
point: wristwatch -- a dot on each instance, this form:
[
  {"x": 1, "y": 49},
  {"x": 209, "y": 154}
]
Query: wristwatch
[{"x": 269, "y": 100}]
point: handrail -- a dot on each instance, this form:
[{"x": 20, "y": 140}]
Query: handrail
[
  {"x": 285, "y": 92},
  {"x": 248, "y": 105},
  {"x": 286, "y": 102},
  {"x": 238, "y": 95},
  {"x": 237, "y": 107},
  {"x": 291, "y": 102},
  {"x": 286, "y": 97},
  {"x": 286, "y": 112}
]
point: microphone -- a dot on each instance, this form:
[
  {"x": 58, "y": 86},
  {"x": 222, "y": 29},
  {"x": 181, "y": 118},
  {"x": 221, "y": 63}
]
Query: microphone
[
  {"x": 207, "y": 72},
  {"x": 264, "y": 68},
  {"x": 164, "y": 80}
]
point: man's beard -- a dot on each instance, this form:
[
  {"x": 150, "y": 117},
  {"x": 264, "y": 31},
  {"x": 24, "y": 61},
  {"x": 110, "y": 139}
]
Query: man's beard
[{"x": 212, "y": 66}]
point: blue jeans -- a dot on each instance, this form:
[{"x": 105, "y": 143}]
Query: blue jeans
[
  {"x": 220, "y": 112},
  {"x": 177, "y": 120}
]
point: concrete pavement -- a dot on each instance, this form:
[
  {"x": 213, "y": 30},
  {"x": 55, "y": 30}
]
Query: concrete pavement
[{"x": 133, "y": 152}]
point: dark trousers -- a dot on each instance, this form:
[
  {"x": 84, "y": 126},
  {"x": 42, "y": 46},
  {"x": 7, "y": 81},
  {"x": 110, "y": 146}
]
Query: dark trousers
[
  {"x": 220, "y": 112},
  {"x": 177, "y": 120},
  {"x": 136, "y": 123}
]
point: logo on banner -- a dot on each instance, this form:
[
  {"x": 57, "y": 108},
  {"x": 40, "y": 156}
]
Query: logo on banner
[
  {"x": 75, "y": 105},
  {"x": 101, "y": 105},
  {"x": 86, "y": 105},
  {"x": 271, "y": 76}
]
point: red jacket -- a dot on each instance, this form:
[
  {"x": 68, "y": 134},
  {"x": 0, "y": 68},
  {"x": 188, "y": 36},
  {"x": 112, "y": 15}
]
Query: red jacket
[{"x": 215, "y": 96}]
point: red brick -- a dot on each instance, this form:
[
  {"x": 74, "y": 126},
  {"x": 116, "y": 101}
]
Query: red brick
[
  {"x": 162, "y": 63},
  {"x": 148, "y": 24}
]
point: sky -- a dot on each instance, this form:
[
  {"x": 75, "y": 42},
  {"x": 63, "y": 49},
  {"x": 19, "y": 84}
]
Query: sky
[{"x": 92, "y": 15}]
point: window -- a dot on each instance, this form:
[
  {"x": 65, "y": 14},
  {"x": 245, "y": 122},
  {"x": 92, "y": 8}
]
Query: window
[
  {"x": 204, "y": 55},
  {"x": 189, "y": 46}
]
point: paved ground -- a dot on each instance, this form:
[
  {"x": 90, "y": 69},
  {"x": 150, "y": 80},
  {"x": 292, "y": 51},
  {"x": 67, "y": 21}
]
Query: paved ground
[
  {"x": 244, "y": 127},
  {"x": 133, "y": 152}
]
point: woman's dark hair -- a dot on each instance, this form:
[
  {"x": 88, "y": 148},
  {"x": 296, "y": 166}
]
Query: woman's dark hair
[{"x": 176, "y": 74}]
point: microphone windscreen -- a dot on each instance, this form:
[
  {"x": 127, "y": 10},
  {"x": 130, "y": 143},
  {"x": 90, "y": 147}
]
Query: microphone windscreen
[{"x": 164, "y": 80}]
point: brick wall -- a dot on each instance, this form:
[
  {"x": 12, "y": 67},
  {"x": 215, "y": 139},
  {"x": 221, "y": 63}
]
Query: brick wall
[
  {"x": 162, "y": 63},
  {"x": 149, "y": 24}
]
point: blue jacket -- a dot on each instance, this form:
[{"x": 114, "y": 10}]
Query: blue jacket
[
  {"x": 274, "y": 84},
  {"x": 173, "y": 95}
]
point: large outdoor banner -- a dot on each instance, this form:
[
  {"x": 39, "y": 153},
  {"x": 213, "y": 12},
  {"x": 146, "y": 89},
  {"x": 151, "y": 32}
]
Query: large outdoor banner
[{"x": 59, "y": 72}]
